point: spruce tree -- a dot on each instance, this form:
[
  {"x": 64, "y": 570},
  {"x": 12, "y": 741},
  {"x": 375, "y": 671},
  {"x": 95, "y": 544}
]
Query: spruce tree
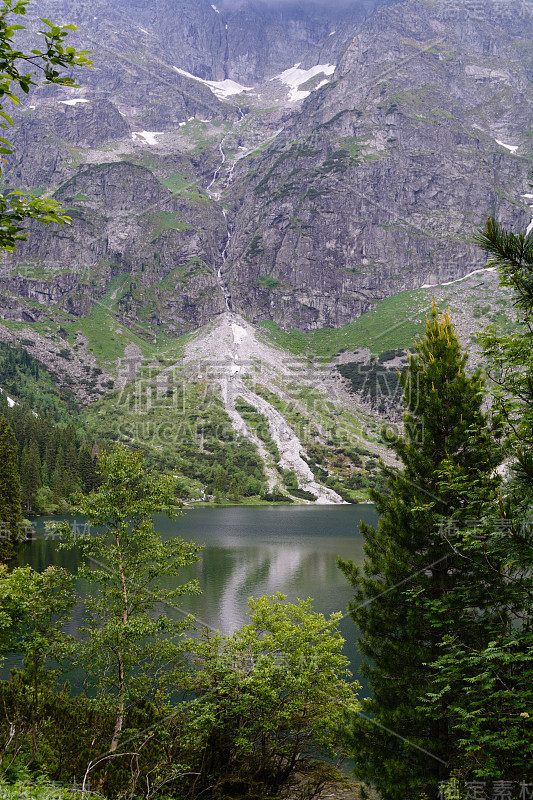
[
  {"x": 10, "y": 510},
  {"x": 410, "y": 566},
  {"x": 30, "y": 475},
  {"x": 488, "y": 690},
  {"x": 87, "y": 470}
]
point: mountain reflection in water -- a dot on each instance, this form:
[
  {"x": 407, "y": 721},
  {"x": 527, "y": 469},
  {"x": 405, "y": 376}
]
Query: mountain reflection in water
[{"x": 250, "y": 551}]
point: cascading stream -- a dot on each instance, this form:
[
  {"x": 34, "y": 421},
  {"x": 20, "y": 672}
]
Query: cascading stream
[
  {"x": 222, "y": 283},
  {"x": 216, "y": 196}
]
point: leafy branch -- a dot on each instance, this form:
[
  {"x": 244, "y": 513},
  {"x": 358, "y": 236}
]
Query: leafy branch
[{"x": 50, "y": 61}]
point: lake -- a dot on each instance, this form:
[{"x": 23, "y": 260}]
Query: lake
[{"x": 251, "y": 551}]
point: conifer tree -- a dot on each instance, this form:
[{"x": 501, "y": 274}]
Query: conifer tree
[
  {"x": 488, "y": 690},
  {"x": 10, "y": 510},
  {"x": 30, "y": 475},
  {"x": 410, "y": 565},
  {"x": 87, "y": 470}
]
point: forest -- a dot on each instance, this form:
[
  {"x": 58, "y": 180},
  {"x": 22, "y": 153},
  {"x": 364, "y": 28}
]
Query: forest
[
  {"x": 173, "y": 710},
  {"x": 442, "y": 606}
]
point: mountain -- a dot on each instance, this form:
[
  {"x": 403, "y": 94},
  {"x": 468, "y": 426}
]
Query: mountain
[
  {"x": 305, "y": 205},
  {"x": 306, "y": 168}
]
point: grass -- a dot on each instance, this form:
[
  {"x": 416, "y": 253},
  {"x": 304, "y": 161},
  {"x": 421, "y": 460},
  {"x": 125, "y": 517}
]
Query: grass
[
  {"x": 106, "y": 336},
  {"x": 183, "y": 186},
  {"x": 180, "y": 275},
  {"x": 39, "y": 790},
  {"x": 267, "y": 282},
  {"x": 392, "y": 324},
  {"x": 200, "y": 135},
  {"x": 177, "y": 183},
  {"x": 353, "y": 146},
  {"x": 166, "y": 221},
  {"x": 81, "y": 198}
]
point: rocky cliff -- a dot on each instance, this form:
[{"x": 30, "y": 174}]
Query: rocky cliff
[
  {"x": 377, "y": 185},
  {"x": 208, "y": 173}
]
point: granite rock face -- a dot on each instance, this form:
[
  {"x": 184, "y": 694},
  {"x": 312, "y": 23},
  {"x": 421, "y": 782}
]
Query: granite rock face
[
  {"x": 378, "y": 184},
  {"x": 304, "y": 201},
  {"x": 161, "y": 236}
]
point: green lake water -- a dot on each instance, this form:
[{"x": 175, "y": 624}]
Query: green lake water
[{"x": 250, "y": 551}]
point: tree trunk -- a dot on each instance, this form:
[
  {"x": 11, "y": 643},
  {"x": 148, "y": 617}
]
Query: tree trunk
[{"x": 119, "y": 721}]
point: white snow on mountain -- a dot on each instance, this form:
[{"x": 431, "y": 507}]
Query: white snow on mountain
[
  {"x": 530, "y": 226},
  {"x": 10, "y": 402},
  {"x": 512, "y": 147},
  {"x": 221, "y": 89},
  {"x": 74, "y": 101},
  {"x": 458, "y": 280},
  {"x": 147, "y": 136},
  {"x": 295, "y": 77}
]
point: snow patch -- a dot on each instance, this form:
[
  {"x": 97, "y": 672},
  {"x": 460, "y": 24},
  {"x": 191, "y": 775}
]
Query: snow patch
[
  {"x": 458, "y": 280},
  {"x": 142, "y": 29},
  {"x": 295, "y": 77},
  {"x": 512, "y": 147},
  {"x": 221, "y": 89},
  {"x": 74, "y": 101},
  {"x": 239, "y": 333},
  {"x": 215, "y": 8},
  {"x": 332, "y": 32},
  {"x": 530, "y": 226},
  {"x": 10, "y": 402},
  {"x": 147, "y": 136}
]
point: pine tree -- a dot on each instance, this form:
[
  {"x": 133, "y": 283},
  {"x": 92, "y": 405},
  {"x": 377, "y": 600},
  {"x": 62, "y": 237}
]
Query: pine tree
[
  {"x": 25, "y": 485},
  {"x": 10, "y": 510},
  {"x": 410, "y": 566},
  {"x": 488, "y": 689},
  {"x": 87, "y": 470},
  {"x": 30, "y": 475}
]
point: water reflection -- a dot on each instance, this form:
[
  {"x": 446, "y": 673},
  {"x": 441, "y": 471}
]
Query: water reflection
[{"x": 250, "y": 551}]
